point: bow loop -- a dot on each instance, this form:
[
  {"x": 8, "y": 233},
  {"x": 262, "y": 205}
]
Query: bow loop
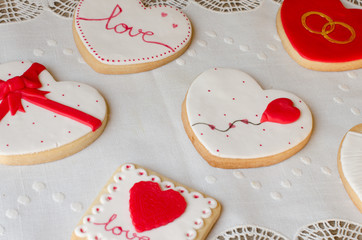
[
  {"x": 15, "y": 83},
  {"x": 4, "y": 90}
]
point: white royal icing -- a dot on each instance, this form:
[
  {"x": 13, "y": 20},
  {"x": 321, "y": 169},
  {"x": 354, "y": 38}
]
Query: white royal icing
[
  {"x": 39, "y": 129},
  {"x": 164, "y": 31},
  {"x": 221, "y": 96},
  {"x": 351, "y": 161},
  {"x": 181, "y": 228}
]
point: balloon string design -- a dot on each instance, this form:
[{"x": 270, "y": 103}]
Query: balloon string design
[
  {"x": 280, "y": 110},
  {"x": 231, "y": 125}
]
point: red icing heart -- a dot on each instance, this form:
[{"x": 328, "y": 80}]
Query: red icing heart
[
  {"x": 164, "y": 14},
  {"x": 281, "y": 110},
  {"x": 314, "y": 46},
  {"x": 174, "y": 25},
  {"x": 150, "y": 207}
]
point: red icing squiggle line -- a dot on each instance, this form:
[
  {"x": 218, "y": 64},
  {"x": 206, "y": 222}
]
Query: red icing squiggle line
[
  {"x": 118, "y": 230},
  {"x": 26, "y": 87},
  {"x": 115, "y": 13}
]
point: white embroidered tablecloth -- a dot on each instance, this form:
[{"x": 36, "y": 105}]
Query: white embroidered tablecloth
[{"x": 46, "y": 201}]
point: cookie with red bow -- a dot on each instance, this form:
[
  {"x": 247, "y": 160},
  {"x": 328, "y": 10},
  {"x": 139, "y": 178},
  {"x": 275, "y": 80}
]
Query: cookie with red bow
[
  {"x": 42, "y": 120},
  {"x": 140, "y": 204},
  {"x": 321, "y": 35},
  {"x": 117, "y": 37},
  {"x": 234, "y": 123}
]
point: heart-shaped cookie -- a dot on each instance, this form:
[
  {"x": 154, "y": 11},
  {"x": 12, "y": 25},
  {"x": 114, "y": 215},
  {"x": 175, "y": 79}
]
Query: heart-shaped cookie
[
  {"x": 116, "y": 37},
  {"x": 234, "y": 123},
  {"x": 321, "y": 35},
  {"x": 44, "y": 120},
  {"x": 140, "y": 204},
  {"x": 151, "y": 207},
  {"x": 350, "y": 164}
]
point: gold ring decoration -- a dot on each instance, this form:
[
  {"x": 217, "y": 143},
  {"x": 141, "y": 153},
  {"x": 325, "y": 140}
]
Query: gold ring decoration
[{"x": 328, "y": 27}]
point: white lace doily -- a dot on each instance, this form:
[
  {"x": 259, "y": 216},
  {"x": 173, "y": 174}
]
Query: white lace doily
[
  {"x": 356, "y": 2},
  {"x": 249, "y": 232},
  {"x": 176, "y": 3},
  {"x": 330, "y": 229},
  {"x": 227, "y": 6}
]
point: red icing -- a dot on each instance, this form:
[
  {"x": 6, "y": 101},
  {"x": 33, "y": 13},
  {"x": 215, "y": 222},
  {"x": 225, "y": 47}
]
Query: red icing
[
  {"x": 314, "y": 46},
  {"x": 119, "y": 231},
  {"x": 280, "y": 110},
  {"x": 26, "y": 87},
  {"x": 150, "y": 207}
]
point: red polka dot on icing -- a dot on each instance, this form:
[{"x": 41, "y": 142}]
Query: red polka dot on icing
[
  {"x": 9, "y": 74},
  {"x": 224, "y": 114},
  {"x": 202, "y": 134},
  {"x": 263, "y": 129},
  {"x": 69, "y": 132},
  {"x": 217, "y": 150},
  {"x": 302, "y": 127},
  {"x": 7, "y": 145},
  {"x": 227, "y": 135},
  {"x": 33, "y": 122},
  {"x": 8, "y": 124},
  {"x": 266, "y": 96},
  {"x": 209, "y": 90},
  {"x": 260, "y": 145},
  {"x": 233, "y": 98},
  {"x": 63, "y": 95},
  {"x": 119, "y": 178},
  {"x": 41, "y": 141}
]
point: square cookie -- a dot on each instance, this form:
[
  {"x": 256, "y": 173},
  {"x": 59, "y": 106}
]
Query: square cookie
[{"x": 139, "y": 204}]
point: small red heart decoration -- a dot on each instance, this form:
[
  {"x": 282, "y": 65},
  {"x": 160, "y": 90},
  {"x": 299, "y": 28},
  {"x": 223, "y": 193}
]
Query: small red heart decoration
[
  {"x": 150, "y": 207},
  {"x": 328, "y": 28},
  {"x": 280, "y": 110},
  {"x": 174, "y": 25},
  {"x": 164, "y": 14}
]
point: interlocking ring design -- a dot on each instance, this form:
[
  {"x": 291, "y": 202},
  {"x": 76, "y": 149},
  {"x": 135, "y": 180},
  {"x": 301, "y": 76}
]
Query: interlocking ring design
[{"x": 328, "y": 27}]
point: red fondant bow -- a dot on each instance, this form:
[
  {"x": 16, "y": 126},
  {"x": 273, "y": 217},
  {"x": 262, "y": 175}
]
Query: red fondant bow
[{"x": 26, "y": 87}]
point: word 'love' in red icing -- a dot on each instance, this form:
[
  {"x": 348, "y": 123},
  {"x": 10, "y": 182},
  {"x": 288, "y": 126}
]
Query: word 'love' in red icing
[
  {"x": 121, "y": 28},
  {"x": 150, "y": 207},
  {"x": 118, "y": 230},
  {"x": 280, "y": 110}
]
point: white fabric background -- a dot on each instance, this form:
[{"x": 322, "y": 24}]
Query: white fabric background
[{"x": 145, "y": 128}]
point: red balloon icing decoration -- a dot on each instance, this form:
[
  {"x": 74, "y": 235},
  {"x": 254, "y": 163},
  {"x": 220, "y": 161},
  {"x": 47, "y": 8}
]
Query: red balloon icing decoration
[
  {"x": 150, "y": 207},
  {"x": 280, "y": 110}
]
